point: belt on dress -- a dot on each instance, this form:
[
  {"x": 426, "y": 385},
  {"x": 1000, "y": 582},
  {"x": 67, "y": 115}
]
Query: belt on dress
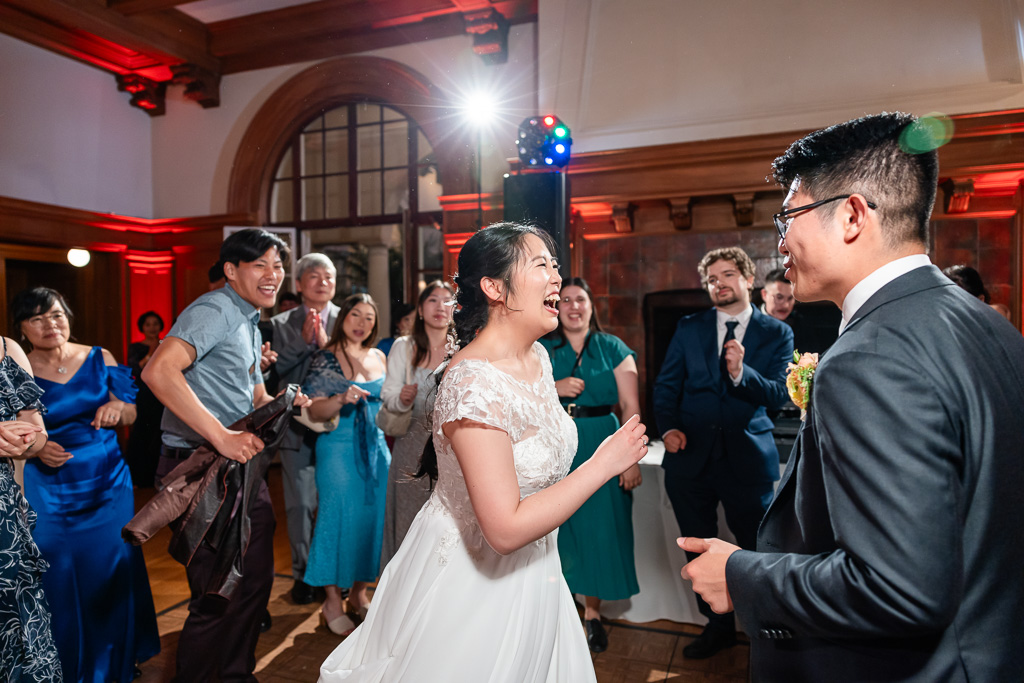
[
  {"x": 587, "y": 411},
  {"x": 176, "y": 453}
]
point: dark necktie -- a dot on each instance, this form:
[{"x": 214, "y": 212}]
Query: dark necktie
[{"x": 730, "y": 334}]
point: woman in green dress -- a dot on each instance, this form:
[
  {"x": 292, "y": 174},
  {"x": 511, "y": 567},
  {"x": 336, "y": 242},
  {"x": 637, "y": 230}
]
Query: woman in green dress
[{"x": 595, "y": 373}]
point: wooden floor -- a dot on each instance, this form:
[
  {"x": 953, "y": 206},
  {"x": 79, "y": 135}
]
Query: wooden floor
[{"x": 294, "y": 647}]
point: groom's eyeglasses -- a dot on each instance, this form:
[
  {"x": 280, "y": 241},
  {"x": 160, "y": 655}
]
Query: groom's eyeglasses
[{"x": 784, "y": 218}]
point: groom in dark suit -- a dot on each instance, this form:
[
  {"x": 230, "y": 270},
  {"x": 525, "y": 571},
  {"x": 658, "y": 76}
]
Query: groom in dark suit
[
  {"x": 298, "y": 334},
  {"x": 722, "y": 369},
  {"x": 892, "y": 550}
]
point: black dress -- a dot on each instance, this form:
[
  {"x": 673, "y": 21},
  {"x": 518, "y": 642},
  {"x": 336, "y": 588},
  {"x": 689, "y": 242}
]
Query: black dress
[
  {"x": 142, "y": 451},
  {"x": 27, "y": 650}
]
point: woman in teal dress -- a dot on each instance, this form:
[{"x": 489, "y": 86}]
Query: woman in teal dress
[
  {"x": 352, "y": 464},
  {"x": 595, "y": 372},
  {"x": 80, "y": 487}
]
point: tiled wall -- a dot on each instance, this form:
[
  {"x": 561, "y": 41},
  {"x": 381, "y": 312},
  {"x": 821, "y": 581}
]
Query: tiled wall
[
  {"x": 984, "y": 244},
  {"x": 622, "y": 270}
]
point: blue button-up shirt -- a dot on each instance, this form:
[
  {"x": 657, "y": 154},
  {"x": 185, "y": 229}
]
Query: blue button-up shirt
[{"x": 222, "y": 327}]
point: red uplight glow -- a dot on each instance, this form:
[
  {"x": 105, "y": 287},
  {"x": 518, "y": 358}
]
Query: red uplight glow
[{"x": 549, "y": 120}]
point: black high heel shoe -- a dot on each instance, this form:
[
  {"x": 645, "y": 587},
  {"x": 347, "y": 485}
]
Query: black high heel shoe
[{"x": 597, "y": 637}]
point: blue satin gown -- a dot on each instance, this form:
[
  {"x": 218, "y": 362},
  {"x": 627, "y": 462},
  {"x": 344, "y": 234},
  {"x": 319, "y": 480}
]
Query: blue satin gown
[{"x": 97, "y": 586}]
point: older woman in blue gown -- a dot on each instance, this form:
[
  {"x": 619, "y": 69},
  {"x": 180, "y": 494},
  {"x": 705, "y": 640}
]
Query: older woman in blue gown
[{"x": 103, "y": 616}]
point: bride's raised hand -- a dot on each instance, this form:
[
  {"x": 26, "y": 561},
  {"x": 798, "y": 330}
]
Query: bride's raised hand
[{"x": 624, "y": 448}]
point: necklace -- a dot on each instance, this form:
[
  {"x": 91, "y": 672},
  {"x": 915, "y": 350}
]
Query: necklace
[{"x": 62, "y": 370}]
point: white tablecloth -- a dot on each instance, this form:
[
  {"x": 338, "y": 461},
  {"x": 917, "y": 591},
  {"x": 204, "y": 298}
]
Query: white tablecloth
[{"x": 663, "y": 592}]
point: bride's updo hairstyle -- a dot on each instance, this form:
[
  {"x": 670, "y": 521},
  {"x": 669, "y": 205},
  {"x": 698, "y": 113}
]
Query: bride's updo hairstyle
[{"x": 493, "y": 252}]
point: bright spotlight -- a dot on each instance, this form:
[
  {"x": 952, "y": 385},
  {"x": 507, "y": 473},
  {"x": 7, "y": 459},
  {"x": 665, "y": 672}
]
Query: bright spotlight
[
  {"x": 79, "y": 258},
  {"x": 479, "y": 109}
]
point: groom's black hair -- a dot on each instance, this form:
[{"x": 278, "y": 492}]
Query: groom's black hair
[{"x": 878, "y": 156}]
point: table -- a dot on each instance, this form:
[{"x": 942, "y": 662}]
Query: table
[{"x": 663, "y": 592}]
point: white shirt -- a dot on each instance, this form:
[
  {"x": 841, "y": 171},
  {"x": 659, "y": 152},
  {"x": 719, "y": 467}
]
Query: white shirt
[
  {"x": 743, "y": 319},
  {"x": 867, "y": 287}
]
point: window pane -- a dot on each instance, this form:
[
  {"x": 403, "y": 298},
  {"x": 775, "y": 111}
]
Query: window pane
[
  {"x": 312, "y": 154},
  {"x": 315, "y": 124},
  {"x": 337, "y": 196},
  {"x": 392, "y": 114},
  {"x": 281, "y": 209},
  {"x": 367, "y": 113},
  {"x": 336, "y": 154},
  {"x": 336, "y": 118},
  {"x": 428, "y": 189},
  {"x": 313, "y": 199},
  {"x": 431, "y": 248},
  {"x": 369, "y": 194},
  {"x": 396, "y": 144},
  {"x": 396, "y": 190},
  {"x": 368, "y": 140},
  {"x": 284, "y": 169},
  {"x": 423, "y": 147}
]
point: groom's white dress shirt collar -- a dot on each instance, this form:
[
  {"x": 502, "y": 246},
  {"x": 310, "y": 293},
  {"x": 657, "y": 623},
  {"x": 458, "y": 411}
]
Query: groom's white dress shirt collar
[{"x": 867, "y": 287}]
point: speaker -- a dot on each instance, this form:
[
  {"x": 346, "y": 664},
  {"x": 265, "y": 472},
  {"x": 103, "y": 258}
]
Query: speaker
[{"x": 542, "y": 199}]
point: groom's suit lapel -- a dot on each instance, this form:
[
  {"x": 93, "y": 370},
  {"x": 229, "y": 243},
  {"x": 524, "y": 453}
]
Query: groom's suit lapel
[{"x": 915, "y": 281}]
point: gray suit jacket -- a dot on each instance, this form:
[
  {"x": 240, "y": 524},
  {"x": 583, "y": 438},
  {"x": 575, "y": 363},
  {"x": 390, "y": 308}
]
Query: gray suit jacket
[
  {"x": 893, "y": 549},
  {"x": 294, "y": 356}
]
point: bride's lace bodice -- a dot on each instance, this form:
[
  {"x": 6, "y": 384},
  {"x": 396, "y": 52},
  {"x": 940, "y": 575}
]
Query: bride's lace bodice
[{"x": 543, "y": 435}]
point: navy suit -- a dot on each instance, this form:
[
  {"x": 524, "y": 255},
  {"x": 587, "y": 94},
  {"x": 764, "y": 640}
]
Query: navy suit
[
  {"x": 730, "y": 455},
  {"x": 892, "y": 551}
]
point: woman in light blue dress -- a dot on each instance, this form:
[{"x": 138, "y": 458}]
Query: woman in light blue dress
[{"x": 352, "y": 462}]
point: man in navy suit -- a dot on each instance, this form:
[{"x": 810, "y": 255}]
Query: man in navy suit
[
  {"x": 723, "y": 368},
  {"x": 892, "y": 550}
]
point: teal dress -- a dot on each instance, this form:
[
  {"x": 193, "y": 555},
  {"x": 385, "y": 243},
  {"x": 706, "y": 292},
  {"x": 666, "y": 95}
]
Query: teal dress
[
  {"x": 596, "y": 543},
  {"x": 351, "y": 481}
]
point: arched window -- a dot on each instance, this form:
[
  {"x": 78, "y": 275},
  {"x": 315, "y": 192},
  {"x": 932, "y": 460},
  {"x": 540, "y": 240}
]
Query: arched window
[
  {"x": 352, "y": 152},
  {"x": 361, "y": 163}
]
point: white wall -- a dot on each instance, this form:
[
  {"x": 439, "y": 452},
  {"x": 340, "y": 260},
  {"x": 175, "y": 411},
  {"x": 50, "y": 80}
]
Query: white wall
[
  {"x": 68, "y": 137},
  {"x": 627, "y": 73},
  {"x": 194, "y": 148}
]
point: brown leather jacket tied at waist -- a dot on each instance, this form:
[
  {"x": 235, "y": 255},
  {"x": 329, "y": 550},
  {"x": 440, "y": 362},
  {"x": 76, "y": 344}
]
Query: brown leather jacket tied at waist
[{"x": 207, "y": 498}]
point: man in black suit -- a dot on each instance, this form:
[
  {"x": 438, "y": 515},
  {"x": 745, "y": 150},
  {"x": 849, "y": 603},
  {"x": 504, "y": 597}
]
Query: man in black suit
[
  {"x": 722, "y": 369},
  {"x": 298, "y": 333},
  {"x": 892, "y": 550}
]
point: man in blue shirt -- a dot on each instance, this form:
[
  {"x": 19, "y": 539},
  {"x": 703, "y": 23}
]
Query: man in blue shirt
[{"x": 207, "y": 374}]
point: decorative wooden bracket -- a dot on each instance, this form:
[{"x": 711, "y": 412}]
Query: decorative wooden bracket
[
  {"x": 489, "y": 29},
  {"x": 201, "y": 86},
  {"x": 679, "y": 213},
  {"x": 743, "y": 209},
  {"x": 957, "y": 193},
  {"x": 622, "y": 217},
  {"x": 147, "y": 94}
]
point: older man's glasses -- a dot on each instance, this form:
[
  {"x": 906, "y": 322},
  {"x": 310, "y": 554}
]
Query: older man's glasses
[{"x": 784, "y": 218}]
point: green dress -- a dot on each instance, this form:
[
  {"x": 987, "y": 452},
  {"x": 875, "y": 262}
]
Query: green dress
[{"x": 596, "y": 543}]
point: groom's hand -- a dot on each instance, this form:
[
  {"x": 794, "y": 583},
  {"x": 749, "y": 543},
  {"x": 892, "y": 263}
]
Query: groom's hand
[{"x": 707, "y": 572}]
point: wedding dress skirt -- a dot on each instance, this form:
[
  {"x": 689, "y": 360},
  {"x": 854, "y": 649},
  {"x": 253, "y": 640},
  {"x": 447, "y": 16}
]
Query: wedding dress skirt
[{"x": 448, "y": 608}]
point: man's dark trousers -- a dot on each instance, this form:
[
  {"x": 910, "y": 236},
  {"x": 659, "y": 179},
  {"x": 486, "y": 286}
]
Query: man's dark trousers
[{"x": 218, "y": 640}]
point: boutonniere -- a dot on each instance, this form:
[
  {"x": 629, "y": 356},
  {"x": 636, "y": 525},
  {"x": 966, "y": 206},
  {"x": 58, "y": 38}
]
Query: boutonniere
[{"x": 800, "y": 378}]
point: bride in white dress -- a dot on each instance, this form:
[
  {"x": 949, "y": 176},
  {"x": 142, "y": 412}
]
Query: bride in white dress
[{"x": 475, "y": 593}]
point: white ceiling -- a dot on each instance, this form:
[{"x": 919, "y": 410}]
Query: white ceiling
[{"x": 209, "y": 11}]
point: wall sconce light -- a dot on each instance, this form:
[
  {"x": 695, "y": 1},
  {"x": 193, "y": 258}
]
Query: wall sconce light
[{"x": 79, "y": 258}]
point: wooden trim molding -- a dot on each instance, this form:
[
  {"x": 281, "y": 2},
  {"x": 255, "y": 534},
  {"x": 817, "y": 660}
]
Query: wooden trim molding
[
  {"x": 327, "y": 85},
  {"x": 58, "y": 226}
]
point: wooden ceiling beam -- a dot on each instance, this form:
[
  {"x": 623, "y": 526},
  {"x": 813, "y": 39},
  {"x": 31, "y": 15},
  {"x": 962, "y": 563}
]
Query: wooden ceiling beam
[
  {"x": 340, "y": 27},
  {"x": 255, "y": 32},
  {"x": 170, "y": 37},
  {"x": 130, "y": 7}
]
